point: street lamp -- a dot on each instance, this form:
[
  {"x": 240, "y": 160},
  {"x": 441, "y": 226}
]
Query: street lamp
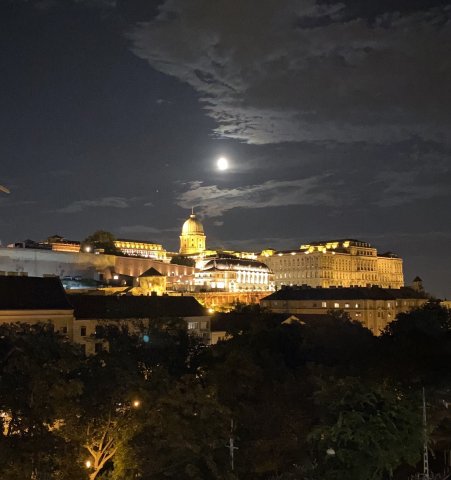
[{"x": 88, "y": 463}]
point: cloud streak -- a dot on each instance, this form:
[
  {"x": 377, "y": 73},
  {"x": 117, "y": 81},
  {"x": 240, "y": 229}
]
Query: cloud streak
[
  {"x": 105, "y": 202},
  {"x": 146, "y": 229},
  {"x": 213, "y": 201}
]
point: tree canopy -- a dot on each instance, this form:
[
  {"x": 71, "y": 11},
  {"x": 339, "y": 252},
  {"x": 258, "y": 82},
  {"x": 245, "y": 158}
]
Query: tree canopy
[
  {"x": 101, "y": 239},
  {"x": 183, "y": 260},
  {"x": 322, "y": 400}
]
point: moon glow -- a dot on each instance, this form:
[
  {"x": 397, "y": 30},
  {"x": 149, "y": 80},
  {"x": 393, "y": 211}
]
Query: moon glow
[{"x": 222, "y": 164}]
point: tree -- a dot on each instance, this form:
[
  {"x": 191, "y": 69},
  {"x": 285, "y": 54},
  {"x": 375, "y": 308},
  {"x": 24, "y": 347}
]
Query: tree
[
  {"x": 364, "y": 430},
  {"x": 247, "y": 318},
  {"x": 102, "y": 239},
  {"x": 183, "y": 436},
  {"x": 259, "y": 375},
  {"x": 431, "y": 320},
  {"x": 122, "y": 387},
  {"x": 182, "y": 260},
  {"x": 418, "y": 345},
  {"x": 37, "y": 389}
]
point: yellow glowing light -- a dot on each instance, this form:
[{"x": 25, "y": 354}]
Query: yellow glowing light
[
  {"x": 136, "y": 403},
  {"x": 211, "y": 310},
  {"x": 222, "y": 163},
  {"x": 88, "y": 463}
]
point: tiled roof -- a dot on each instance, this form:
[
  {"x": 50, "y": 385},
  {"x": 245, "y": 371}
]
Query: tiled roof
[
  {"x": 337, "y": 240},
  {"x": 151, "y": 272},
  {"x": 234, "y": 263},
  {"x": 122, "y": 307},
  {"x": 32, "y": 293},
  {"x": 356, "y": 293}
]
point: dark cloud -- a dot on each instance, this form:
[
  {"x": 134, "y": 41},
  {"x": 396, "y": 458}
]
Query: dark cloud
[{"x": 265, "y": 77}]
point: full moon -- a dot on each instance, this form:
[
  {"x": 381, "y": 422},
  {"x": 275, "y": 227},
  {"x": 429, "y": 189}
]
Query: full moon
[{"x": 222, "y": 163}]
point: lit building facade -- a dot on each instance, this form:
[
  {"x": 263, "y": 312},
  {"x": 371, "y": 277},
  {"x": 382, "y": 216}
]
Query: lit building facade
[
  {"x": 138, "y": 248},
  {"x": 61, "y": 244},
  {"x": 373, "y": 307},
  {"x": 233, "y": 275},
  {"x": 336, "y": 263},
  {"x": 192, "y": 239}
]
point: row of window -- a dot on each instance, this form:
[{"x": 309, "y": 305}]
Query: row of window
[
  {"x": 3, "y": 273},
  {"x": 197, "y": 325}
]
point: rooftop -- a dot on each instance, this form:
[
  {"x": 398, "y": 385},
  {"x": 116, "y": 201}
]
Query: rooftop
[
  {"x": 341, "y": 293},
  {"x": 122, "y": 307},
  {"x": 151, "y": 272},
  {"x": 234, "y": 263},
  {"x": 32, "y": 293}
]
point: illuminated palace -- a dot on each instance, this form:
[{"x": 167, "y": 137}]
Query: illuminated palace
[
  {"x": 335, "y": 263},
  {"x": 222, "y": 272}
]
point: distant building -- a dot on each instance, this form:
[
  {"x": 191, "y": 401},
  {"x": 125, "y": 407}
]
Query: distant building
[
  {"x": 139, "y": 248},
  {"x": 233, "y": 275},
  {"x": 151, "y": 282},
  {"x": 35, "y": 300},
  {"x": 373, "y": 307},
  {"x": 55, "y": 243},
  {"x": 93, "y": 312},
  {"x": 61, "y": 244},
  {"x": 80, "y": 317},
  {"x": 335, "y": 263},
  {"x": 37, "y": 262}
]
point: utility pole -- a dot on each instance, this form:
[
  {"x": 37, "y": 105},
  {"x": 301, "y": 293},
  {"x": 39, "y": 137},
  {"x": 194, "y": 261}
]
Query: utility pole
[
  {"x": 231, "y": 446},
  {"x": 425, "y": 440}
]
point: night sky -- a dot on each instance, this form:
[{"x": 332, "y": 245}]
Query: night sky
[{"x": 335, "y": 117}]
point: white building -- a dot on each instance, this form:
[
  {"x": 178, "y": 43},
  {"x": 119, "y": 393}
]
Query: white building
[{"x": 233, "y": 275}]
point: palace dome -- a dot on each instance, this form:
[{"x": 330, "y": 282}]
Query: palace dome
[{"x": 192, "y": 226}]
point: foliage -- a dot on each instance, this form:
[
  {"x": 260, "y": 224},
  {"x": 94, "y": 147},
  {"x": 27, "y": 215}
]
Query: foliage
[
  {"x": 183, "y": 436},
  {"x": 183, "y": 260},
  {"x": 102, "y": 239},
  {"x": 245, "y": 319},
  {"x": 431, "y": 320},
  {"x": 419, "y": 344},
  {"x": 158, "y": 405},
  {"x": 364, "y": 430},
  {"x": 37, "y": 386}
]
